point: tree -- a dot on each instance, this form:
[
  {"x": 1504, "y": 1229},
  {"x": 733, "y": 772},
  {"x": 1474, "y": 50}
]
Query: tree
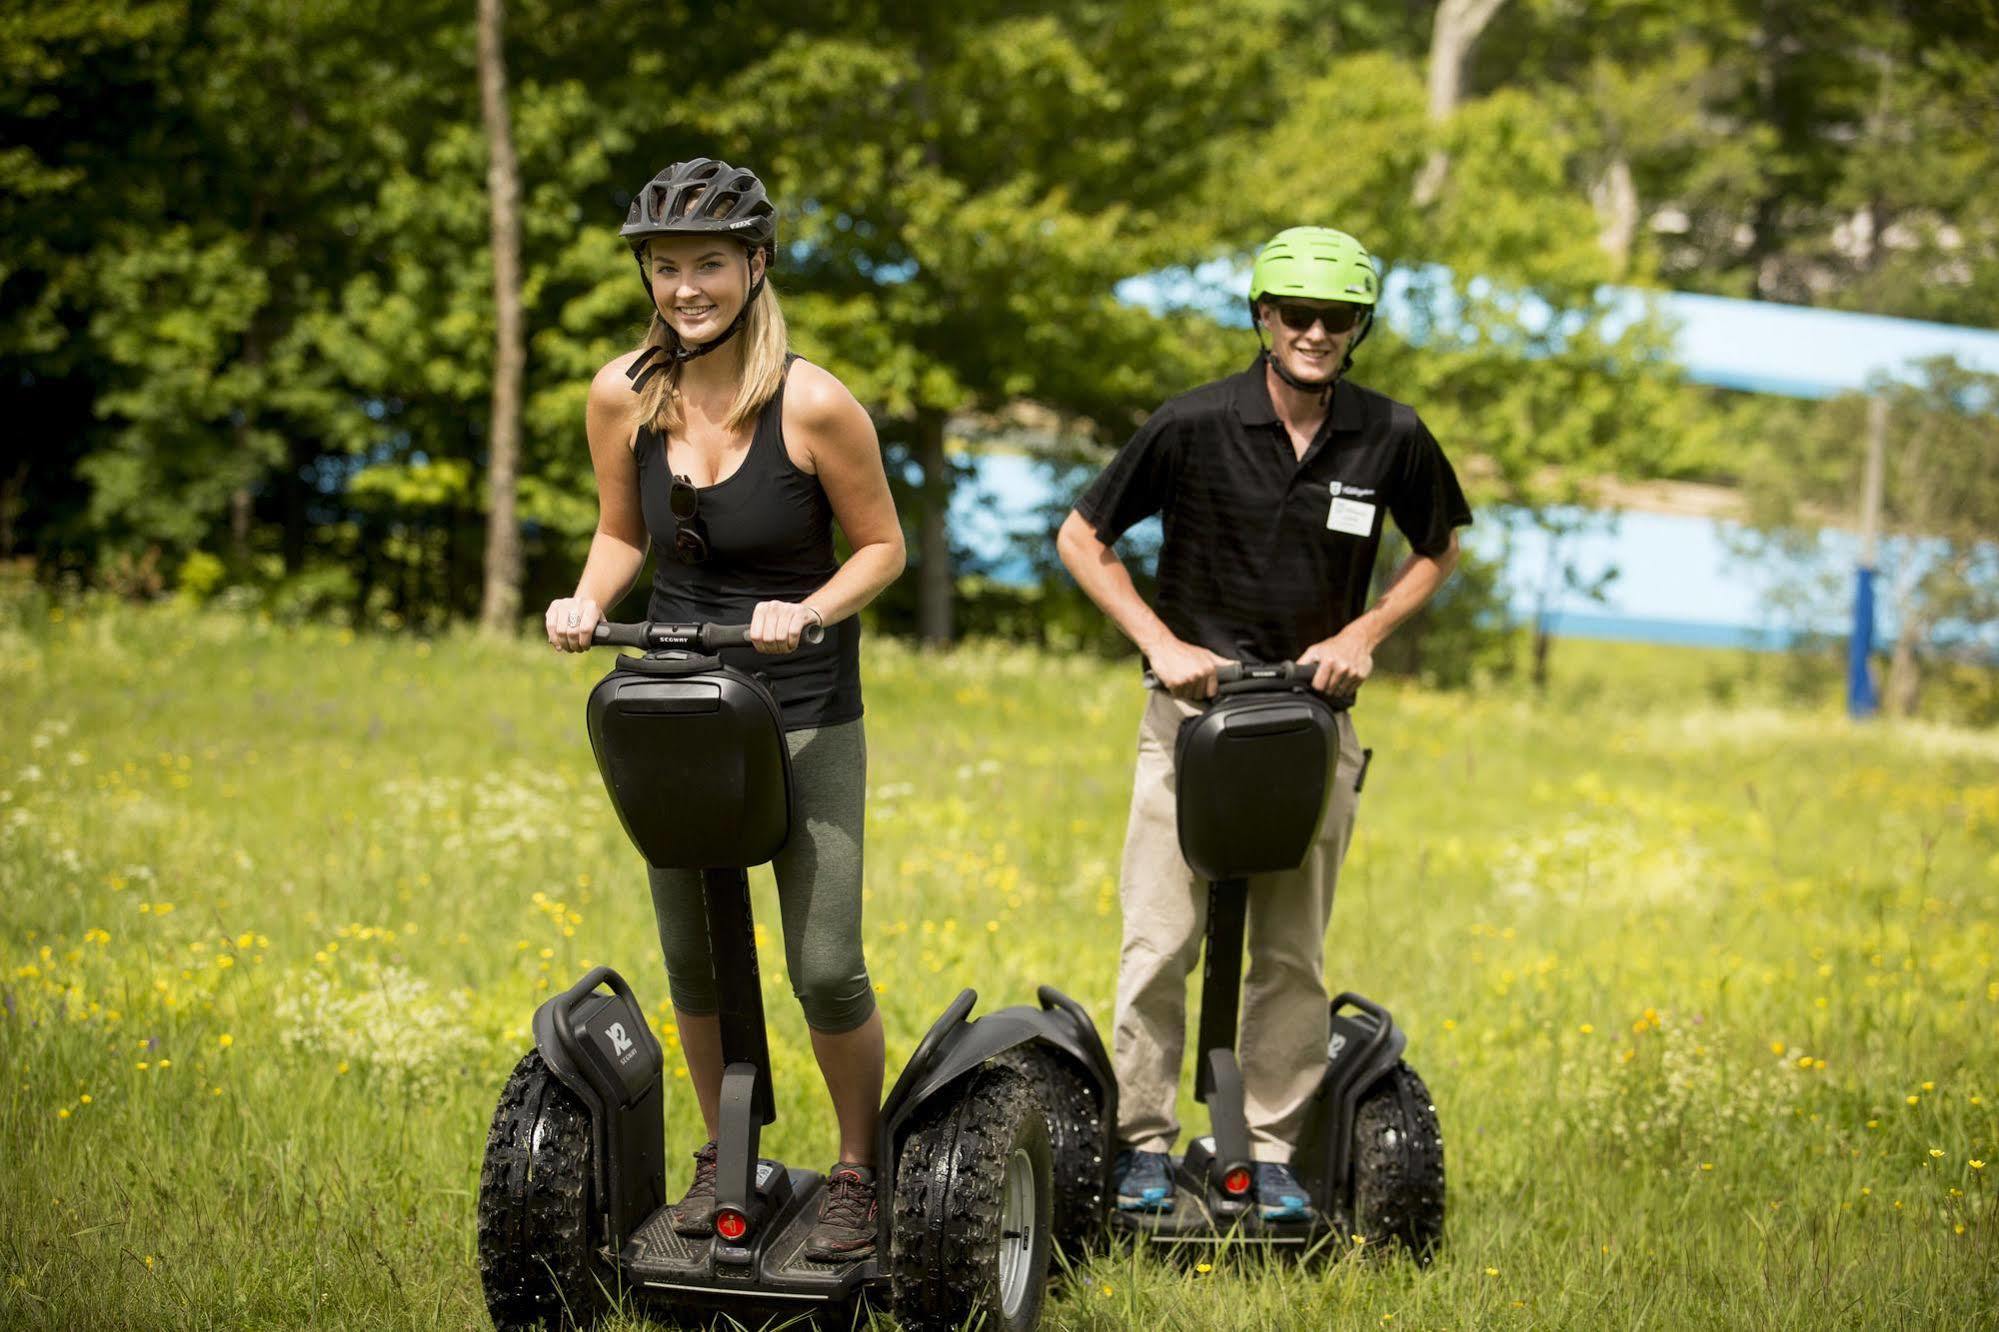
[
  {"x": 1457, "y": 26},
  {"x": 500, "y": 604}
]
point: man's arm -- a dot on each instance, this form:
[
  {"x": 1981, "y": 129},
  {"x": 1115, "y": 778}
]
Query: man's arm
[
  {"x": 1186, "y": 670},
  {"x": 1347, "y": 658}
]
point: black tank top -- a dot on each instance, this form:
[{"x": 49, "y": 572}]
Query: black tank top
[{"x": 770, "y": 538}]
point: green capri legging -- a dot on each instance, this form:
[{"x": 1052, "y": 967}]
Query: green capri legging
[{"x": 818, "y": 891}]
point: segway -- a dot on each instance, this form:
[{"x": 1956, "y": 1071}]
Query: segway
[
  {"x": 977, "y": 1177},
  {"x": 1254, "y": 772}
]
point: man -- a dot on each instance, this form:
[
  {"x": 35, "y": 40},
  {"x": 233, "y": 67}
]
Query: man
[{"x": 1273, "y": 485}]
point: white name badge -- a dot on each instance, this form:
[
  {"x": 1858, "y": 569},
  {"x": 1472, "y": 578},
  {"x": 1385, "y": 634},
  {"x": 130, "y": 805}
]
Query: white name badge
[{"x": 1355, "y": 517}]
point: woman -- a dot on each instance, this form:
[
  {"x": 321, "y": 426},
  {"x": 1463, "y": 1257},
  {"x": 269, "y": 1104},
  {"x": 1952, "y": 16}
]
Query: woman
[{"x": 734, "y": 459}]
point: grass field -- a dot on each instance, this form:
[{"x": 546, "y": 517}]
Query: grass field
[{"x": 1706, "y": 991}]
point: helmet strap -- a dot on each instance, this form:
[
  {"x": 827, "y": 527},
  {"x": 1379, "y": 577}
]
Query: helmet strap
[{"x": 1324, "y": 390}]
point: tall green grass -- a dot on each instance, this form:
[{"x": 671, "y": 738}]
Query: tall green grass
[{"x": 1705, "y": 988}]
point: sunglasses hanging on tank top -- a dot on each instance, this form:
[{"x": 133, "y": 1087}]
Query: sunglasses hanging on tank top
[{"x": 690, "y": 534}]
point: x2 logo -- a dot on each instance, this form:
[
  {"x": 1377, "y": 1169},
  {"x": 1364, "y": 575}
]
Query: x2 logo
[{"x": 621, "y": 1044}]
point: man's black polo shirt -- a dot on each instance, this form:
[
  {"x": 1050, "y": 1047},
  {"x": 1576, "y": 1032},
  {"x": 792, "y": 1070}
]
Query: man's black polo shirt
[{"x": 1266, "y": 554}]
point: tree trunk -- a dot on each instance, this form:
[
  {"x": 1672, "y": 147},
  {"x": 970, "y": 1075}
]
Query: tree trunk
[
  {"x": 11, "y": 507},
  {"x": 292, "y": 486},
  {"x": 1904, "y": 673},
  {"x": 933, "y": 543},
  {"x": 500, "y": 604},
  {"x": 242, "y": 500},
  {"x": 240, "y": 509},
  {"x": 1615, "y": 199},
  {"x": 1459, "y": 22}
]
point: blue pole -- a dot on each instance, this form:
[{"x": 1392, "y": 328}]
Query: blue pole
[{"x": 1860, "y": 697}]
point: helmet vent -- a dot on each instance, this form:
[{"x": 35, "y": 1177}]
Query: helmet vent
[{"x": 690, "y": 201}]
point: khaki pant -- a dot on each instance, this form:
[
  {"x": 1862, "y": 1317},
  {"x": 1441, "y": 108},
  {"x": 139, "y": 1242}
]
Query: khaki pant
[{"x": 1283, "y": 1027}]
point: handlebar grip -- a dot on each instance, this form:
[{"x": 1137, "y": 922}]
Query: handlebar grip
[
  {"x": 1227, "y": 673},
  {"x": 738, "y": 635},
  {"x": 619, "y": 635}
]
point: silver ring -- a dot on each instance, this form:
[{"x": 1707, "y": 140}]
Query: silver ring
[{"x": 574, "y": 619}]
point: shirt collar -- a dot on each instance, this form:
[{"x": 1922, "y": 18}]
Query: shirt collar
[{"x": 1254, "y": 408}]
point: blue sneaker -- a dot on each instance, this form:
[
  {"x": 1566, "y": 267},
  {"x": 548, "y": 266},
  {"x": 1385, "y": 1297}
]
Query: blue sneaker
[
  {"x": 1280, "y": 1196},
  {"x": 1143, "y": 1181}
]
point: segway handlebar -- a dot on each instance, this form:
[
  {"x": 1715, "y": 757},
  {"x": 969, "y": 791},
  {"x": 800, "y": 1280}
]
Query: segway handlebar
[
  {"x": 651, "y": 636},
  {"x": 1268, "y": 675}
]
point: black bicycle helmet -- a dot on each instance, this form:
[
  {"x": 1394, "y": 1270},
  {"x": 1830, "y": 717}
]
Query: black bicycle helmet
[{"x": 699, "y": 197}]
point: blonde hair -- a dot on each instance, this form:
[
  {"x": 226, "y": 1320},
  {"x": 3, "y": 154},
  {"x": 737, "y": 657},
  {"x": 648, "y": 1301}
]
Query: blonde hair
[{"x": 763, "y": 344}]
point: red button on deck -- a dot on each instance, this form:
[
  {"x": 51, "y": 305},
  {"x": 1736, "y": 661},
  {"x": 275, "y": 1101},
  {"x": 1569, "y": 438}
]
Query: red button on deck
[
  {"x": 1236, "y": 1181},
  {"x": 731, "y": 1226}
]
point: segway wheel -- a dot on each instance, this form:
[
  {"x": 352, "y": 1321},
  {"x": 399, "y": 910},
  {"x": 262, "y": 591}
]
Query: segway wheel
[
  {"x": 1399, "y": 1165},
  {"x": 1076, "y": 1141},
  {"x": 973, "y": 1208},
  {"x": 535, "y": 1250}
]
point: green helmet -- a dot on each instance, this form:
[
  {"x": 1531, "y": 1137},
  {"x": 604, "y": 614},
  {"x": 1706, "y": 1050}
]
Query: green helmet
[{"x": 1317, "y": 263}]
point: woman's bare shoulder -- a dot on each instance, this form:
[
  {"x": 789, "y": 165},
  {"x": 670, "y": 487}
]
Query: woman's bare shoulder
[
  {"x": 611, "y": 386},
  {"x": 608, "y": 412},
  {"x": 814, "y": 396}
]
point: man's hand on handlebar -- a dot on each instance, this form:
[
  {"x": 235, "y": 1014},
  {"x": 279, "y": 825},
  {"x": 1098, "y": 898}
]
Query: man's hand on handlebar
[
  {"x": 1343, "y": 662},
  {"x": 569, "y": 622},
  {"x": 1184, "y": 670}
]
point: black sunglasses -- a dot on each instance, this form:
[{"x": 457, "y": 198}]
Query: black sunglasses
[
  {"x": 1337, "y": 317},
  {"x": 690, "y": 534}
]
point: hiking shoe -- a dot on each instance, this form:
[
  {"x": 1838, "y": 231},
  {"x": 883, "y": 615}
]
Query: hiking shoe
[
  {"x": 847, "y": 1216},
  {"x": 694, "y": 1214},
  {"x": 1143, "y": 1181},
  {"x": 1280, "y": 1195}
]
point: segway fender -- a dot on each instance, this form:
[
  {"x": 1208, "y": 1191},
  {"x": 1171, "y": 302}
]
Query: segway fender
[
  {"x": 1362, "y": 1047},
  {"x": 959, "y": 1047},
  {"x": 601, "y": 1048},
  {"x": 954, "y": 1047}
]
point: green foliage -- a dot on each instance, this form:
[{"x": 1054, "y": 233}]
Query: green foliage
[{"x": 244, "y": 295}]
